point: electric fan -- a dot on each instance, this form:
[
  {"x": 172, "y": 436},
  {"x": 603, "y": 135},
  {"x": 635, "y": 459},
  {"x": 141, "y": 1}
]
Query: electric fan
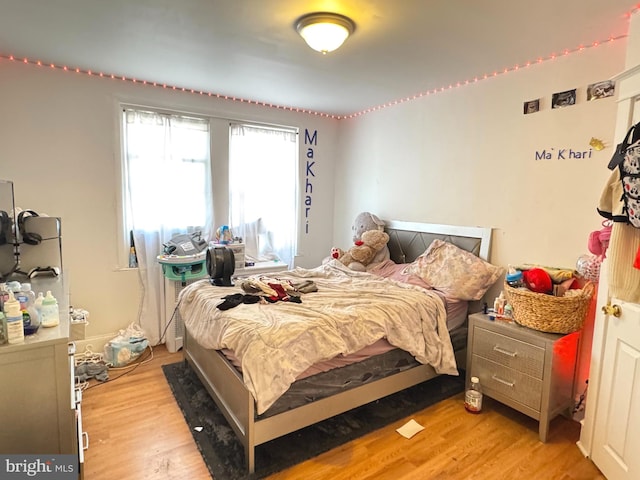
[{"x": 221, "y": 264}]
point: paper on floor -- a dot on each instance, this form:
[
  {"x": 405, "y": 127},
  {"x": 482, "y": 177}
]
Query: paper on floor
[{"x": 410, "y": 428}]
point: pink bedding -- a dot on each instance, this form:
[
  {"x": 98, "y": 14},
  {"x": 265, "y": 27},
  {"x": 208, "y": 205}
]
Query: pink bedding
[{"x": 456, "y": 309}]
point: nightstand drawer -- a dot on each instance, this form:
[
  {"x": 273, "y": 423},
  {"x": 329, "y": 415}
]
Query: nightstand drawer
[
  {"x": 508, "y": 382},
  {"x": 507, "y": 351}
]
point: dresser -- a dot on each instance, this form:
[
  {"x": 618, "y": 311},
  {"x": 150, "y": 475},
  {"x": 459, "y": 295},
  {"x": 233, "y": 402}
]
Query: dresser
[
  {"x": 41, "y": 408},
  {"x": 530, "y": 371}
]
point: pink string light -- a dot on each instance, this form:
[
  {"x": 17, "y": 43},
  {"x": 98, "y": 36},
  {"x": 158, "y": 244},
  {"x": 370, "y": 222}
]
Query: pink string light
[
  {"x": 371, "y": 109},
  {"x": 496, "y": 73}
]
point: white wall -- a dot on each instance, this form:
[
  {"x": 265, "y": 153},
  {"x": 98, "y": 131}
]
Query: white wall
[
  {"x": 59, "y": 144},
  {"x": 464, "y": 156},
  {"x": 467, "y": 156}
]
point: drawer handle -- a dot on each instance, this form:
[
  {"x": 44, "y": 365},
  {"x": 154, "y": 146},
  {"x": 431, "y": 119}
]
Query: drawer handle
[
  {"x": 506, "y": 352},
  {"x": 85, "y": 441},
  {"x": 504, "y": 382}
]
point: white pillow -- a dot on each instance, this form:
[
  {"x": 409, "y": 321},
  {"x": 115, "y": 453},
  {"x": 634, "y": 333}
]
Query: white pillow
[{"x": 455, "y": 272}]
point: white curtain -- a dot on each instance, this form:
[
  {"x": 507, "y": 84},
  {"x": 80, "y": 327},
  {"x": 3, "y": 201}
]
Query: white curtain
[
  {"x": 263, "y": 189},
  {"x": 168, "y": 191}
]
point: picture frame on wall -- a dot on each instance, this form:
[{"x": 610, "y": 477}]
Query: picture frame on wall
[
  {"x": 598, "y": 90},
  {"x": 563, "y": 99},
  {"x": 532, "y": 106}
]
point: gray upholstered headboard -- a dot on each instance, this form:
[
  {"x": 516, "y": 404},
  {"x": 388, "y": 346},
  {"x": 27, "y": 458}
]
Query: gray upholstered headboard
[{"x": 408, "y": 240}]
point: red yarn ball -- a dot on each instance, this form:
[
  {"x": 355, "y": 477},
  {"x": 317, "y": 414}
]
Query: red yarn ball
[{"x": 537, "y": 280}]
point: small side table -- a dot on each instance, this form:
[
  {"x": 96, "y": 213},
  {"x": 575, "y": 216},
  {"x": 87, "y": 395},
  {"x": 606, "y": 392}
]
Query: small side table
[{"x": 530, "y": 371}]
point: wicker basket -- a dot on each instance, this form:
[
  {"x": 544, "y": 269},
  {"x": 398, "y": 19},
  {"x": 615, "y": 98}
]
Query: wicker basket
[{"x": 548, "y": 313}]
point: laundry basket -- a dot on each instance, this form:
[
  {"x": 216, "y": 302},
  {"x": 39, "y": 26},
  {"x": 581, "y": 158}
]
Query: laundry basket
[{"x": 548, "y": 313}]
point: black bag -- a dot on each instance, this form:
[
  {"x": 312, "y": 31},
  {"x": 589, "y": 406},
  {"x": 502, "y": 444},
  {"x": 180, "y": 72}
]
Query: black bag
[{"x": 627, "y": 159}]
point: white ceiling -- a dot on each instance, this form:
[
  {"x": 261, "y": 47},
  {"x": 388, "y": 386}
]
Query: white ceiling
[{"x": 249, "y": 48}]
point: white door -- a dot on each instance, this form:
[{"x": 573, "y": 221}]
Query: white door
[{"x": 617, "y": 419}]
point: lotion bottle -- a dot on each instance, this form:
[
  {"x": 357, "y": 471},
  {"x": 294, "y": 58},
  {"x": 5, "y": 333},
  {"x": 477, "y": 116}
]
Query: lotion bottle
[
  {"x": 498, "y": 305},
  {"x": 13, "y": 314}
]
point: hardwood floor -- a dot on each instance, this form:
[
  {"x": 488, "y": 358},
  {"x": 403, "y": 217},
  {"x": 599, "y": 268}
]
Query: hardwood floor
[{"x": 136, "y": 431}]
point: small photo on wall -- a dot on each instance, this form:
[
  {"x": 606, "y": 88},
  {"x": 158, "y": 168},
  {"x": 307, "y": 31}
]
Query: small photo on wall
[
  {"x": 599, "y": 90},
  {"x": 532, "y": 106},
  {"x": 563, "y": 99}
]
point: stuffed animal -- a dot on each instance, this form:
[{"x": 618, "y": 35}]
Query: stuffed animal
[
  {"x": 364, "y": 222},
  {"x": 361, "y": 255},
  {"x": 537, "y": 280},
  {"x": 599, "y": 240}
]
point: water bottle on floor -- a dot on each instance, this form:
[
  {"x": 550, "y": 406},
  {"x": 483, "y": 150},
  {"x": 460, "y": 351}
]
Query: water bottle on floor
[{"x": 473, "y": 396}]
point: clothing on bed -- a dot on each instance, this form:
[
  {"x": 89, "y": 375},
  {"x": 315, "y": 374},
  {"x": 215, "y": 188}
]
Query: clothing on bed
[{"x": 276, "y": 342}]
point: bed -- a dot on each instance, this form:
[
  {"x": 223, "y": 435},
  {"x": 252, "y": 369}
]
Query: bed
[{"x": 257, "y": 417}]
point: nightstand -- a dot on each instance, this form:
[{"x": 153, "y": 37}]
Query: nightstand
[{"x": 530, "y": 371}]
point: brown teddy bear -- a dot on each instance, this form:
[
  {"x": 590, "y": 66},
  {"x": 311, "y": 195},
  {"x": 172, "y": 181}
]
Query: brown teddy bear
[
  {"x": 364, "y": 222},
  {"x": 364, "y": 252}
]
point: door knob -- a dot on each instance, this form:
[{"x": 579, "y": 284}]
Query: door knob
[{"x": 614, "y": 310}]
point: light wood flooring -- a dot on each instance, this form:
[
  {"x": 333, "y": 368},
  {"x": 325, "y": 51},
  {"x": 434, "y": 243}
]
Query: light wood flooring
[{"x": 136, "y": 431}]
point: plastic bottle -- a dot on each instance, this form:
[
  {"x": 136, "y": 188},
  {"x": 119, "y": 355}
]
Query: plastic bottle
[
  {"x": 14, "y": 287},
  {"x": 225, "y": 234},
  {"x": 503, "y": 302},
  {"x": 498, "y": 305},
  {"x": 30, "y": 316},
  {"x": 514, "y": 279},
  {"x": 13, "y": 314},
  {"x": 508, "y": 312},
  {"x": 4, "y": 295},
  {"x": 38, "y": 305},
  {"x": 50, "y": 313},
  {"x": 473, "y": 396}
]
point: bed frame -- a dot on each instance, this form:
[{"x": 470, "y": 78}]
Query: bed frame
[{"x": 225, "y": 385}]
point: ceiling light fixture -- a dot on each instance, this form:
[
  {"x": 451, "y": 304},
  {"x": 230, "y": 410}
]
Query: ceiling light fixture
[{"x": 325, "y": 31}]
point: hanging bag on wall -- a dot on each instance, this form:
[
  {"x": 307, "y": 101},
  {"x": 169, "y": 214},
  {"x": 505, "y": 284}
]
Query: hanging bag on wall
[{"x": 626, "y": 159}]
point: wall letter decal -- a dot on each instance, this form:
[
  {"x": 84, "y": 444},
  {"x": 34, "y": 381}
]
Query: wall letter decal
[{"x": 308, "y": 188}]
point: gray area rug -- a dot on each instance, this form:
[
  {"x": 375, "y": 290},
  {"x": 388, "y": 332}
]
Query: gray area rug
[{"x": 224, "y": 455}]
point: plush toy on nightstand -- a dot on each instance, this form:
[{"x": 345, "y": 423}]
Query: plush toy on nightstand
[{"x": 370, "y": 244}]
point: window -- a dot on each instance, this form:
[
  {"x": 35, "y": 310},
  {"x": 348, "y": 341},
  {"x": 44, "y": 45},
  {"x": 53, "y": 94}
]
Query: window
[
  {"x": 168, "y": 189},
  {"x": 263, "y": 190},
  {"x": 168, "y": 182},
  {"x": 167, "y": 175}
]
